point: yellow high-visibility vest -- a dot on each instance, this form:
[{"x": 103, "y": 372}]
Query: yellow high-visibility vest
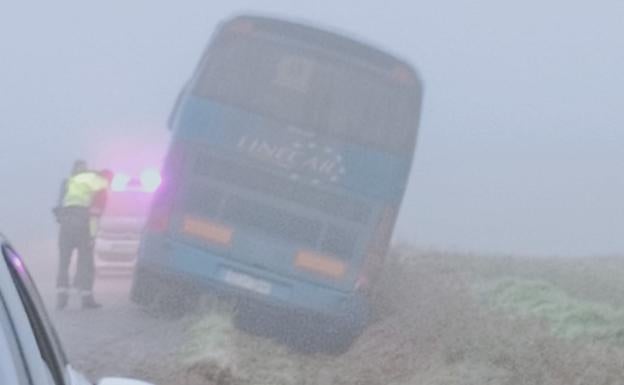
[{"x": 81, "y": 188}]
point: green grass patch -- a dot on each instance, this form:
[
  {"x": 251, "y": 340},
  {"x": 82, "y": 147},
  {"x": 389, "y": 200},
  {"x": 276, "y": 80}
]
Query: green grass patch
[{"x": 568, "y": 317}]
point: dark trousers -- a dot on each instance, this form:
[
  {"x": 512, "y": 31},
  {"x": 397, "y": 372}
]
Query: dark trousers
[{"x": 74, "y": 234}]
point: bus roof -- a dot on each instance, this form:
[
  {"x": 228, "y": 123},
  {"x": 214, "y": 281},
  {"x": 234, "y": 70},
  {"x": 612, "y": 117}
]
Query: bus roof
[{"x": 327, "y": 39}]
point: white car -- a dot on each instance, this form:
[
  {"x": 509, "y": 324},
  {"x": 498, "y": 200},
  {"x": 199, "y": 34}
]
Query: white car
[
  {"x": 30, "y": 351},
  {"x": 120, "y": 227}
]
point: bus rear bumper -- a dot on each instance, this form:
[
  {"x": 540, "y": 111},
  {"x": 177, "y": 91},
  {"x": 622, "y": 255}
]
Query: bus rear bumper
[{"x": 167, "y": 261}]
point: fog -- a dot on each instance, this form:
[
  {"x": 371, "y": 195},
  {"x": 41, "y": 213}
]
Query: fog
[{"x": 520, "y": 142}]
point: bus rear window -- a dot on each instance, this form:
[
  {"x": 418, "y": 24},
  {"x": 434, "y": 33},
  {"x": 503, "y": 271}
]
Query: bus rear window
[{"x": 313, "y": 89}]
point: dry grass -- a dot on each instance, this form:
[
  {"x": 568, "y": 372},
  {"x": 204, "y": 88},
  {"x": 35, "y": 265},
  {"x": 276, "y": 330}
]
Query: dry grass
[{"x": 430, "y": 328}]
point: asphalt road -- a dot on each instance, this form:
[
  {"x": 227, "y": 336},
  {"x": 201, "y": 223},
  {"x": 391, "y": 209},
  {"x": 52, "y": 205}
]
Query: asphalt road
[{"x": 119, "y": 339}]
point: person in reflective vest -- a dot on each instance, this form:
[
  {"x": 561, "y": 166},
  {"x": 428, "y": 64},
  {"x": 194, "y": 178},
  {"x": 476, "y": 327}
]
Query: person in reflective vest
[
  {"x": 78, "y": 167},
  {"x": 77, "y": 218}
]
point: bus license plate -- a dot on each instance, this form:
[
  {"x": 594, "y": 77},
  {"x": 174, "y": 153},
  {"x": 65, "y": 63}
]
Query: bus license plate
[{"x": 247, "y": 282}]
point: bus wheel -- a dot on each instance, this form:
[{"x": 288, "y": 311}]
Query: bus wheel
[
  {"x": 339, "y": 335},
  {"x": 339, "y": 341},
  {"x": 144, "y": 285},
  {"x": 173, "y": 300}
]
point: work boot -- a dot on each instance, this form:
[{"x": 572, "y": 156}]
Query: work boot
[
  {"x": 62, "y": 298},
  {"x": 88, "y": 302}
]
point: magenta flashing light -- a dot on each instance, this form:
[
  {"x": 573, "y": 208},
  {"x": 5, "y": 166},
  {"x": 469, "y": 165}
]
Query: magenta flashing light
[
  {"x": 120, "y": 182},
  {"x": 150, "y": 179}
]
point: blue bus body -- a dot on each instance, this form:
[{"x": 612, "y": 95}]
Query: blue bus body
[{"x": 261, "y": 209}]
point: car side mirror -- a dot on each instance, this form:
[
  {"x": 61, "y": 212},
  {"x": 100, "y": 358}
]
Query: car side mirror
[{"x": 121, "y": 381}]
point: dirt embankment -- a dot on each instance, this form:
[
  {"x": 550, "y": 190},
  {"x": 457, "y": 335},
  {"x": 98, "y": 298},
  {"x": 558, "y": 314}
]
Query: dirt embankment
[{"x": 429, "y": 328}]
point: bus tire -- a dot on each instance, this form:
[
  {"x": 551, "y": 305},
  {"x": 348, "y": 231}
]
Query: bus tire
[
  {"x": 143, "y": 290},
  {"x": 173, "y": 300},
  {"x": 341, "y": 334},
  {"x": 339, "y": 342}
]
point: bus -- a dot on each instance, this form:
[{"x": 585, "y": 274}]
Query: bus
[{"x": 291, "y": 148}]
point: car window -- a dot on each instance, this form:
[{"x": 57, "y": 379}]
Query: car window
[{"x": 47, "y": 340}]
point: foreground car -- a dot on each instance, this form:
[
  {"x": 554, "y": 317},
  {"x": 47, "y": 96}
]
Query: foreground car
[{"x": 30, "y": 351}]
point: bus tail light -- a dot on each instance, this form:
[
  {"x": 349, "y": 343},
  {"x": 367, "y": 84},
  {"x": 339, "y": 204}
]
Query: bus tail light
[
  {"x": 241, "y": 26},
  {"x": 207, "y": 230},
  {"x": 161, "y": 210},
  {"x": 159, "y": 219},
  {"x": 163, "y": 201},
  {"x": 403, "y": 75},
  {"x": 321, "y": 264}
]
